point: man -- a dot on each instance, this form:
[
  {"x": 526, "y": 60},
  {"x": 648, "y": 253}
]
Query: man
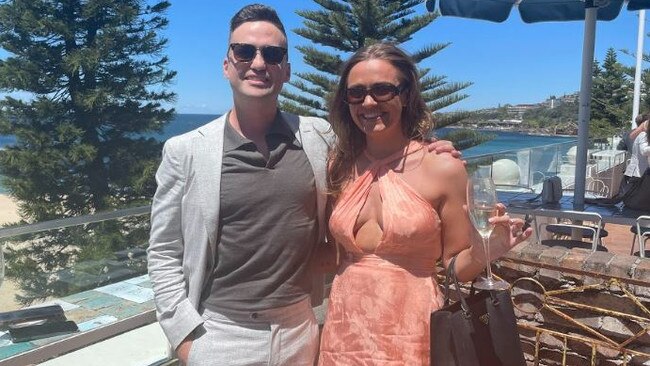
[
  {"x": 239, "y": 209},
  {"x": 628, "y": 138}
]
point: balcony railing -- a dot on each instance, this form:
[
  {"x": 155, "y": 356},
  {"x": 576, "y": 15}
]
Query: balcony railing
[
  {"x": 94, "y": 266},
  {"x": 526, "y": 169}
]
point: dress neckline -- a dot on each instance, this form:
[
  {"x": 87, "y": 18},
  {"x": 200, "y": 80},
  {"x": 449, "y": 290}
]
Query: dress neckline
[{"x": 408, "y": 149}]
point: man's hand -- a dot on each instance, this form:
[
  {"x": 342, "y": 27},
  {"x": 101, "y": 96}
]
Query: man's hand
[
  {"x": 443, "y": 146},
  {"x": 183, "y": 350}
]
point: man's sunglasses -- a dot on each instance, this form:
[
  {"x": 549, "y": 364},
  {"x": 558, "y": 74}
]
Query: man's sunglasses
[
  {"x": 244, "y": 52},
  {"x": 380, "y": 92}
]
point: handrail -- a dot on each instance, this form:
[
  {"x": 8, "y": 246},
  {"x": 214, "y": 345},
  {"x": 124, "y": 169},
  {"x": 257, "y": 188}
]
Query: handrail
[
  {"x": 491, "y": 154},
  {"x": 73, "y": 221},
  {"x": 80, "y": 340}
]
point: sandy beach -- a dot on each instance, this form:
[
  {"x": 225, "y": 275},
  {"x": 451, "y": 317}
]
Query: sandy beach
[
  {"x": 8, "y": 214},
  {"x": 8, "y": 210}
]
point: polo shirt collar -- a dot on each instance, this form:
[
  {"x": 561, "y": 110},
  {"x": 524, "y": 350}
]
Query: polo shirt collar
[{"x": 233, "y": 140}]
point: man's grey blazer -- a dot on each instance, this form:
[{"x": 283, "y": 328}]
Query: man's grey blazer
[{"x": 185, "y": 215}]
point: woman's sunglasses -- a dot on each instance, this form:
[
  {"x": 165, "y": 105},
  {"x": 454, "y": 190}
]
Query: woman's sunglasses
[
  {"x": 380, "y": 92},
  {"x": 244, "y": 52}
]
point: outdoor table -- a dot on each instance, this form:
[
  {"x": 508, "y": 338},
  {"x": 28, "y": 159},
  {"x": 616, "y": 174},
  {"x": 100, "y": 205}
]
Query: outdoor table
[
  {"x": 99, "y": 313},
  {"x": 612, "y": 214}
]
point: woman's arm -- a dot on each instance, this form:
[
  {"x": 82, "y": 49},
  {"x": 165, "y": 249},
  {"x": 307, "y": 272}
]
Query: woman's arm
[
  {"x": 457, "y": 230},
  {"x": 459, "y": 236},
  {"x": 640, "y": 128},
  {"x": 643, "y": 145}
]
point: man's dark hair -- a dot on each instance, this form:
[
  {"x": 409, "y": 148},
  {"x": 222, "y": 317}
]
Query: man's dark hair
[
  {"x": 256, "y": 13},
  {"x": 642, "y": 117}
]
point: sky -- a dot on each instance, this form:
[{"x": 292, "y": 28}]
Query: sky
[{"x": 510, "y": 62}]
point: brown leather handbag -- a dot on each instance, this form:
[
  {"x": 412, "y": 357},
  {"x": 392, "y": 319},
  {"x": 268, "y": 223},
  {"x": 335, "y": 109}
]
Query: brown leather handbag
[{"x": 480, "y": 329}]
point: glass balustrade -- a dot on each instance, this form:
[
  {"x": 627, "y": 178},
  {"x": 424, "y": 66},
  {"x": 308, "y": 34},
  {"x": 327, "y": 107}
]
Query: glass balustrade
[
  {"x": 524, "y": 170},
  {"x": 93, "y": 266}
]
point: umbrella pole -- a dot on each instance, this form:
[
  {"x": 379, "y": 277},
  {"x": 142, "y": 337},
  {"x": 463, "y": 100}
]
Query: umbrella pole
[
  {"x": 591, "y": 12},
  {"x": 637, "y": 72}
]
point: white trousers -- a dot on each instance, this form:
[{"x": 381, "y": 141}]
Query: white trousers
[{"x": 275, "y": 337}]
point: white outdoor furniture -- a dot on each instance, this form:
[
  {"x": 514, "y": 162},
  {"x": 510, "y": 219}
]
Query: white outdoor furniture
[
  {"x": 641, "y": 233},
  {"x": 569, "y": 234}
]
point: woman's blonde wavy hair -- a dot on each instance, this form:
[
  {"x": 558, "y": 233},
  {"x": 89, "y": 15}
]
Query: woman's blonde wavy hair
[{"x": 416, "y": 119}]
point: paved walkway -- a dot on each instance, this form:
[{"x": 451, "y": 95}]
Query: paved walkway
[{"x": 619, "y": 240}]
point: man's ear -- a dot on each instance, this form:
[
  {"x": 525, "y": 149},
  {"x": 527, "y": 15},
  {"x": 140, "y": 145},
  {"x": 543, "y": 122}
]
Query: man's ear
[
  {"x": 225, "y": 67},
  {"x": 287, "y": 76}
]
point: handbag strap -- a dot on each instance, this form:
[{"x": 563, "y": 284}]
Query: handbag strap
[{"x": 451, "y": 276}]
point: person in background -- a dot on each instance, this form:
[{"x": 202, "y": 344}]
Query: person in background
[
  {"x": 637, "y": 196},
  {"x": 239, "y": 211},
  {"x": 627, "y": 140},
  {"x": 397, "y": 210},
  {"x": 644, "y": 145},
  {"x": 638, "y": 163}
]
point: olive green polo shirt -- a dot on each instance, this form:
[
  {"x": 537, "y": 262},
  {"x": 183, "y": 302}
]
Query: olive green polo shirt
[{"x": 268, "y": 223}]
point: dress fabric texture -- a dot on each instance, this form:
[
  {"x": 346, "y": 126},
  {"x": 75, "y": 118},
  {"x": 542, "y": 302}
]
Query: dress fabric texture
[{"x": 380, "y": 302}]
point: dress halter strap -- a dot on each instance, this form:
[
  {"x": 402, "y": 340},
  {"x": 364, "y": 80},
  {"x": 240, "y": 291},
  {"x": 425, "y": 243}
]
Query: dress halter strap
[{"x": 410, "y": 148}]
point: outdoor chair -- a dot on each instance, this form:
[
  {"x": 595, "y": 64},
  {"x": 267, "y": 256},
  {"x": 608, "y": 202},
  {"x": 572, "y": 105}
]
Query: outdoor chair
[
  {"x": 584, "y": 225},
  {"x": 641, "y": 233},
  {"x": 597, "y": 188}
]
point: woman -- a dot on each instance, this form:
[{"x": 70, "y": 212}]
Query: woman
[
  {"x": 643, "y": 141},
  {"x": 639, "y": 159},
  {"x": 397, "y": 209}
]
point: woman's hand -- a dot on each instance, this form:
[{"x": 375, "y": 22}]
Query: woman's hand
[{"x": 506, "y": 234}]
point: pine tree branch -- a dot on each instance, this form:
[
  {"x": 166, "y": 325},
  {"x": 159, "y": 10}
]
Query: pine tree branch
[
  {"x": 428, "y": 51},
  {"x": 319, "y": 80},
  {"x": 316, "y": 92},
  {"x": 306, "y": 102},
  {"x": 322, "y": 61}
]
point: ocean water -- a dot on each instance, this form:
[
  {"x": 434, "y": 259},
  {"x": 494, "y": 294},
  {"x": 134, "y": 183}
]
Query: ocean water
[
  {"x": 6, "y": 140},
  {"x": 503, "y": 142},
  {"x": 183, "y": 123},
  {"x": 506, "y": 141}
]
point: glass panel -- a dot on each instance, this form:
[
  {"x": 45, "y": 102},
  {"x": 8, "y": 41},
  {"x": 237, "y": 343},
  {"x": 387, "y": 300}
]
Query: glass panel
[
  {"x": 524, "y": 170},
  {"x": 53, "y": 264}
]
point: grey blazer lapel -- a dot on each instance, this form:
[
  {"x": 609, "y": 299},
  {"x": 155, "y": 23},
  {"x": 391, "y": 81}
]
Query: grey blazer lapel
[{"x": 208, "y": 153}]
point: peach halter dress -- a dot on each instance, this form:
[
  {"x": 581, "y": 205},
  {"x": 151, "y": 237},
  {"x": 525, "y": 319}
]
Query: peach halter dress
[{"x": 380, "y": 302}]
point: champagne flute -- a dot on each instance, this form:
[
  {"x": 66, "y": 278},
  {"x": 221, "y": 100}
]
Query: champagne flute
[{"x": 482, "y": 201}]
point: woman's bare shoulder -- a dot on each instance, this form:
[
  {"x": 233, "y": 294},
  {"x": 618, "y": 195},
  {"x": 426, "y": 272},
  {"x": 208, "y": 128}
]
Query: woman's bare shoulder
[{"x": 444, "y": 165}]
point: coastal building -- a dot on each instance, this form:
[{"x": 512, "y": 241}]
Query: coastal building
[{"x": 519, "y": 109}]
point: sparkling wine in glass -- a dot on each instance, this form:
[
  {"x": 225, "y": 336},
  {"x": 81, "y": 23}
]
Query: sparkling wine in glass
[{"x": 482, "y": 201}]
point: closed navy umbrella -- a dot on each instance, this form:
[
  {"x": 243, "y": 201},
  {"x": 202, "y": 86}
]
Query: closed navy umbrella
[{"x": 533, "y": 11}]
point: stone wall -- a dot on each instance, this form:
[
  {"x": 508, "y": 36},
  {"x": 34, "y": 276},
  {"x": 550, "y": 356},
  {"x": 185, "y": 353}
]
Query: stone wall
[{"x": 619, "y": 287}]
